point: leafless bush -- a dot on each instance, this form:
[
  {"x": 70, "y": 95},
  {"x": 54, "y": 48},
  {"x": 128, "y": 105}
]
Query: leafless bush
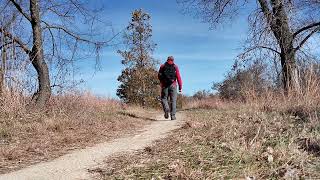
[
  {"x": 243, "y": 82},
  {"x": 202, "y": 94},
  {"x": 13, "y": 103},
  {"x": 212, "y": 102}
]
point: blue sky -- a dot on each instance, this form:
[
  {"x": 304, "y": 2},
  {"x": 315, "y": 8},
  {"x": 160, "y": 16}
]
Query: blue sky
[{"x": 203, "y": 56}]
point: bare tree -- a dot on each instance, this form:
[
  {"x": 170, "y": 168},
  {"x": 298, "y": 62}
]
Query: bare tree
[
  {"x": 53, "y": 28},
  {"x": 280, "y": 27}
]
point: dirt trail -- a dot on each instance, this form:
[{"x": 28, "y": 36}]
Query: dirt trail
[{"x": 75, "y": 165}]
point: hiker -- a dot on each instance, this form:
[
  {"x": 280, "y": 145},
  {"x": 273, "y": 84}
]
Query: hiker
[{"x": 169, "y": 75}]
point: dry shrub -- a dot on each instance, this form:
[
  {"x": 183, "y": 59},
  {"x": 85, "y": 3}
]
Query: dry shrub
[
  {"x": 79, "y": 103},
  {"x": 12, "y": 103},
  {"x": 212, "y": 102},
  {"x": 241, "y": 81},
  {"x": 205, "y": 103},
  {"x": 15, "y": 104}
]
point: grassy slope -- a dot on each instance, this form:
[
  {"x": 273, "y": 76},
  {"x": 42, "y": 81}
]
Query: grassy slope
[{"x": 230, "y": 143}]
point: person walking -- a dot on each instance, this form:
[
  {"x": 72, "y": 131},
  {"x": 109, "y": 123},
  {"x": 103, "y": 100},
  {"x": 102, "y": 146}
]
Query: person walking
[{"x": 169, "y": 75}]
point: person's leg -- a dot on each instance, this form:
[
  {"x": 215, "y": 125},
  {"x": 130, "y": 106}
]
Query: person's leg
[
  {"x": 164, "y": 101},
  {"x": 173, "y": 97}
]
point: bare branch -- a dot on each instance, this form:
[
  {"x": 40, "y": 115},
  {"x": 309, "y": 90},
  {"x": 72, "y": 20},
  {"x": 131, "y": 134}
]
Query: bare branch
[
  {"x": 212, "y": 11},
  {"x": 18, "y": 7},
  {"x": 306, "y": 38},
  {"x": 260, "y": 47},
  {"x": 6, "y": 44},
  {"x": 265, "y": 9},
  {"x": 78, "y": 37},
  {"x": 70, "y": 33},
  {"x": 53, "y": 41},
  {"x": 15, "y": 39},
  {"x": 306, "y": 28},
  {"x": 268, "y": 48}
]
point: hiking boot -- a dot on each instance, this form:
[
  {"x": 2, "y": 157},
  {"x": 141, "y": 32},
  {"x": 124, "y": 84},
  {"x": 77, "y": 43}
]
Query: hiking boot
[
  {"x": 173, "y": 117},
  {"x": 166, "y": 115}
]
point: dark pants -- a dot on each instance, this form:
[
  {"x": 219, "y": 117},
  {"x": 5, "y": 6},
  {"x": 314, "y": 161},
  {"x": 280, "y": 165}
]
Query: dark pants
[{"x": 171, "y": 92}]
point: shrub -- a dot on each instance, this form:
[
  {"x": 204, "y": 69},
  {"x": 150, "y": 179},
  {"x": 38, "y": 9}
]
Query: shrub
[{"x": 239, "y": 83}]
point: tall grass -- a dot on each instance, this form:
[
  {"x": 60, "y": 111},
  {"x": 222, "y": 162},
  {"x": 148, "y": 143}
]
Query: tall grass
[
  {"x": 15, "y": 104},
  {"x": 12, "y": 103},
  {"x": 304, "y": 102},
  {"x": 72, "y": 120}
]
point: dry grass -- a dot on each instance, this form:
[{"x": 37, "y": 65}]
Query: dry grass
[
  {"x": 71, "y": 121},
  {"x": 234, "y": 142},
  {"x": 267, "y": 136},
  {"x": 207, "y": 103}
]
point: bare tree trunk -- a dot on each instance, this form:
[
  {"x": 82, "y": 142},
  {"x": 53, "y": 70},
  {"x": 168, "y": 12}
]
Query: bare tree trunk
[
  {"x": 289, "y": 72},
  {"x": 37, "y": 58},
  {"x": 278, "y": 21},
  {"x": 284, "y": 36},
  {"x": 3, "y": 67},
  {"x": 144, "y": 92}
]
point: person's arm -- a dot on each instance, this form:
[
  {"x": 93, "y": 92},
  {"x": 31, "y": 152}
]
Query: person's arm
[
  {"x": 179, "y": 78},
  {"x": 159, "y": 72}
]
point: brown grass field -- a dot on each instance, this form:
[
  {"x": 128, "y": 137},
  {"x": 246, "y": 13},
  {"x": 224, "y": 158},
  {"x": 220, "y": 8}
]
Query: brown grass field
[
  {"x": 266, "y": 137},
  {"x": 275, "y": 139},
  {"x": 69, "y": 122}
]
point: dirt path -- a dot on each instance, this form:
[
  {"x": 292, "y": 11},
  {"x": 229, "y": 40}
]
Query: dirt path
[{"x": 75, "y": 165}]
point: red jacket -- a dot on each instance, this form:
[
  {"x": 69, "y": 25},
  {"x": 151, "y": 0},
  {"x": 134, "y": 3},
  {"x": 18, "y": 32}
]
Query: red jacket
[{"x": 175, "y": 81}]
